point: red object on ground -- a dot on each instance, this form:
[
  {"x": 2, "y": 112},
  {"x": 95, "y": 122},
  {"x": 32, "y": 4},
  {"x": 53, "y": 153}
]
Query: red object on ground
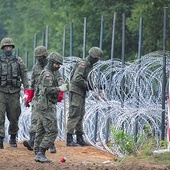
[
  {"x": 28, "y": 94},
  {"x": 60, "y": 96},
  {"x": 63, "y": 160}
]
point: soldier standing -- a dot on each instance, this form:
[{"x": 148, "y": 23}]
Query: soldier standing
[
  {"x": 41, "y": 53},
  {"x": 49, "y": 86},
  {"x": 13, "y": 73},
  {"x": 77, "y": 95}
]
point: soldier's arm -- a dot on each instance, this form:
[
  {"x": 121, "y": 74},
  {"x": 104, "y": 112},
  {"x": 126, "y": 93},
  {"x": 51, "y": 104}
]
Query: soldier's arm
[
  {"x": 24, "y": 73},
  {"x": 59, "y": 78},
  {"x": 32, "y": 79},
  {"x": 78, "y": 76}
]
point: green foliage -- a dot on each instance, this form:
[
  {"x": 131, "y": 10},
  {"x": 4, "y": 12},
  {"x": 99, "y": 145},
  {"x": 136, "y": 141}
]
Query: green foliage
[
  {"x": 152, "y": 13},
  {"x": 145, "y": 143},
  {"x": 22, "y": 20},
  {"x": 163, "y": 144},
  {"x": 123, "y": 140}
]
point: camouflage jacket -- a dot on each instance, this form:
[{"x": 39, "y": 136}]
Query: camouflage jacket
[
  {"x": 78, "y": 79},
  {"x": 36, "y": 70},
  {"x": 13, "y": 74},
  {"x": 48, "y": 87}
]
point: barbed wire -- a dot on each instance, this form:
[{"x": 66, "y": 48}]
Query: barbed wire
[{"x": 120, "y": 95}]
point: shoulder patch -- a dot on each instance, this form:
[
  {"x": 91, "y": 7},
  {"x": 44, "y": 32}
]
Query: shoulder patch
[
  {"x": 83, "y": 64},
  {"x": 47, "y": 75}
]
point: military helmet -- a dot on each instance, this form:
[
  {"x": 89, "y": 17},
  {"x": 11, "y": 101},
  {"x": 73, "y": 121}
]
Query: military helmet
[
  {"x": 55, "y": 57},
  {"x": 6, "y": 42},
  {"x": 95, "y": 52},
  {"x": 40, "y": 51}
]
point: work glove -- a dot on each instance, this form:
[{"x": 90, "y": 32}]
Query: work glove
[
  {"x": 63, "y": 87},
  {"x": 28, "y": 95},
  {"x": 60, "y": 96}
]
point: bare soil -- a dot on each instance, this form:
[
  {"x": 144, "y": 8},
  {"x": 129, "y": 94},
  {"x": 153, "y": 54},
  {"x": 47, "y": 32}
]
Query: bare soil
[{"x": 77, "y": 158}]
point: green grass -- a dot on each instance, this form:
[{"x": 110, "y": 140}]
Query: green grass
[{"x": 146, "y": 160}]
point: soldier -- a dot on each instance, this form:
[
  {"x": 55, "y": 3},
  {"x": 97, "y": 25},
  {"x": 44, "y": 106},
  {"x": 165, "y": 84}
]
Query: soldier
[
  {"x": 49, "y": 86},
  {"x": 41, "y": 54},
  {"x": 13, "y": 73},
  {"x": 77, "y": 95}
]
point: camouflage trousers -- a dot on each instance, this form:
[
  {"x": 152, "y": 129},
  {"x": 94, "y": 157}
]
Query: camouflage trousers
[
  {"x": 76, "y": 113},
  {"x": 10, "y": 107},
  {"x": 34, "y": 118},
  {"x": 47, "y": 130}
]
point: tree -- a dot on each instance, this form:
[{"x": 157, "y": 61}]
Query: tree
[
  {"x": 152, "y": 13},
  {"x": 21, "y": 20}
]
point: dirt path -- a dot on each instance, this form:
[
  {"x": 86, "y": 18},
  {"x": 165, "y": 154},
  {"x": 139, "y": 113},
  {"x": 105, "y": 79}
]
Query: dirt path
[
  {"x": 78, "y": 158},
  {"x": 21, "y": 158}
]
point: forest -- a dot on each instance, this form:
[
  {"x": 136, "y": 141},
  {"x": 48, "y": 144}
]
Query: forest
[{"x": 23, "y": 20}]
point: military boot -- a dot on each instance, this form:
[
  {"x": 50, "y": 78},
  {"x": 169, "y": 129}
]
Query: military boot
[
  {"x": 36, "y": 150},
  {"x": 1, "y": 143},
  {"x": 40, "y": 157},
  {"x": 12, "y": 140},
  {"x": 53, "y": 148},
  {"x": 80, "y": 140},
  {"x": 29, "y": 144},
  {"x": 70, "y": 141}
]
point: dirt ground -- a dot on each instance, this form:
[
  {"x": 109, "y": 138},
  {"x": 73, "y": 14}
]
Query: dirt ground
[{"x": 77, "y": 158}]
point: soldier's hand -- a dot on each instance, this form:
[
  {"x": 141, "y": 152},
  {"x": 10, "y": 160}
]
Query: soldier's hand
[{"x": 63, "y": 87}]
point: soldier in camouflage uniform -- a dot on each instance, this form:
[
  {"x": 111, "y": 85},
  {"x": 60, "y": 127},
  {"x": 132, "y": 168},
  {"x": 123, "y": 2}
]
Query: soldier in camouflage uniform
[
  {"x": 13, "y": 73},
  {"x": 49, "y": 86},
  {"x": 41, "y": 54},
  {"x": 77, "y": 95}
]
